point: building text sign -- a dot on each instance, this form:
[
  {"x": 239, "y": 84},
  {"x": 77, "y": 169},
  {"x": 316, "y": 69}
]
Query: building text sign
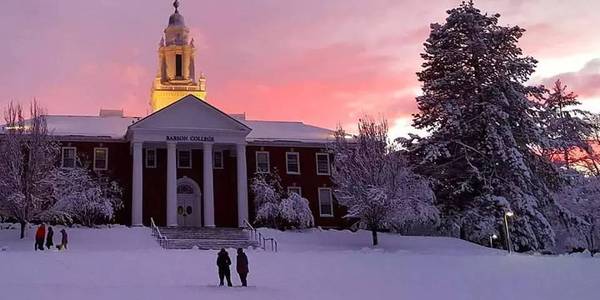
[{"x": 190, "y": 138}]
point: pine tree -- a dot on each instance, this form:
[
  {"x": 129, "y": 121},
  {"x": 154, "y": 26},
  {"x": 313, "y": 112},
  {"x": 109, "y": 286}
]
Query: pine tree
[
  {"x": 484, "y": 125},
  {"x": 570, "y": 129},
  {"x": 591, "y": 163}
]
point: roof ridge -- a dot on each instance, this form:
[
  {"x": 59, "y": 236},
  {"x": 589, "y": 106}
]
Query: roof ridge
[
  {"x": 273, "y": 121},
  {"x": 90, "y": 116}
]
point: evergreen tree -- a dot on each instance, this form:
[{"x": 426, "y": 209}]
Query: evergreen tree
[
  {"x": 570, "y": 129},
  {"x": 484, "y": 128}
]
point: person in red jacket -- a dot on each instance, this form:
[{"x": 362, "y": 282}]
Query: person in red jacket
[
  {"x": 242, "y": 266},
  {"x": 40, "y": 236}
]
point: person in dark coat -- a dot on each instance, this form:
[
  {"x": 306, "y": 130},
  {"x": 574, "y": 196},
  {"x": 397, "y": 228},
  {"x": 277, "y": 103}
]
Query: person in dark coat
[
  {"x": 64, "y": 239},
  {"x": 223, "y": 262},
  {"x": 50, "y": 238},
  {"x": 242, "y": 266},
  {"x": 40, "y": 235}
]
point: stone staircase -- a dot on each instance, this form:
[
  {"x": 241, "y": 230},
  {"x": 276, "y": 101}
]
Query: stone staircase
[{"x": 205, "y": 238}]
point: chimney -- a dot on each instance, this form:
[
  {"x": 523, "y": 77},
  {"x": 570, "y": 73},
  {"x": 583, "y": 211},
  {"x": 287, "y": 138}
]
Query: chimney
[{"x": 105, "y": 113}]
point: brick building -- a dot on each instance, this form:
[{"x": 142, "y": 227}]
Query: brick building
[{"x": 188, "y": 163}]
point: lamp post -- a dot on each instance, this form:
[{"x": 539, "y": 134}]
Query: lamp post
[
  {"x": 492, "y": 238},
  {"x": 508, "y": 243}
]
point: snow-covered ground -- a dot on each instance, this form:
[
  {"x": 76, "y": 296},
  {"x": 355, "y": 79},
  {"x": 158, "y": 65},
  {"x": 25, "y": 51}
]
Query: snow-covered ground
[{"x": 123, "y": 263}]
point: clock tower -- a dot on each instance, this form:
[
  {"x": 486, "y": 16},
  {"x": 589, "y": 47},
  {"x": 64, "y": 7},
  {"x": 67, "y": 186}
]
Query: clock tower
[{"x": 176, "y": 76}]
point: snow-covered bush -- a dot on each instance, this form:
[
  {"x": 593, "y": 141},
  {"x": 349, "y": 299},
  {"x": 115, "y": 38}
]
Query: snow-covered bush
[
  {"x": 275, "y": 212},
  {"x": 582, "y": 199},
  {"x": 295, "y": 212},
  {"x": 268, "y": 214},
  {"x": 266, "y": 188},
  {"x": 267, "y": 191},
  {"x": 82, "y": 197}
]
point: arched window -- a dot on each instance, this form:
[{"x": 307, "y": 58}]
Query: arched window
[
  {"x": 185, "y": 189},
  {"x": 178, "y": 66}
]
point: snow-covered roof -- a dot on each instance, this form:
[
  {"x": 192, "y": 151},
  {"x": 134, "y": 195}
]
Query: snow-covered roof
[
  {"x": 89, "y": 126},
  {"x": 115, "y": 127},
  {"x": 280, "y": 131}
]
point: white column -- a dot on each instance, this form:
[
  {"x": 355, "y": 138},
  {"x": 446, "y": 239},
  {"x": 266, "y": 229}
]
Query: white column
[
  {"x": 209, "y": 200},
  {"x": 137, "y": 186},
  {"x": 171, "y": 184},
  {"x": 242, "y": 184}
]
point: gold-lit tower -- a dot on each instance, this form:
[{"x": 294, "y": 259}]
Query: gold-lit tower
[{"x": 176, "y": 77}]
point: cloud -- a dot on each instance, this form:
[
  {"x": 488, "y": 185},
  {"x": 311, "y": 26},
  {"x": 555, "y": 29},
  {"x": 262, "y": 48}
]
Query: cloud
[
  {"x": 322, "y": 62},
  {"x": 585, "y": 82},
  {"x": 323, "y": 86}
]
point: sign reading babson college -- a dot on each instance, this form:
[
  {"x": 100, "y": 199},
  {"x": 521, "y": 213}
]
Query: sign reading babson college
[{"x": 190, "y": 138}]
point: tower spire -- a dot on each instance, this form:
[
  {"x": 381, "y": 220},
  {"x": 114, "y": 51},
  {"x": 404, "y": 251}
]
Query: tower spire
[
  {"x": 176, "y": 5},
  {"x": 176, "y": 75}
]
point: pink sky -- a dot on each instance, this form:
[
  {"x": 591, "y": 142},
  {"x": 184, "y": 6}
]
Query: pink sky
[{"x": 321, "y": 62}]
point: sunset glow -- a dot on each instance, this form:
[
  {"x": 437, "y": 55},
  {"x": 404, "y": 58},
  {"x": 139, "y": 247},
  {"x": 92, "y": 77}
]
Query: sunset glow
[{"x": 322, "y": 62}]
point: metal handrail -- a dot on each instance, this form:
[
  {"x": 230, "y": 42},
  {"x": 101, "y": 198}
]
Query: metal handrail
[
  {"x": 252, "y": 230},
  {"x": 162, "y": 240},
  {"x": 258, "y": 237},
  {"x": 273, "y": 244}
]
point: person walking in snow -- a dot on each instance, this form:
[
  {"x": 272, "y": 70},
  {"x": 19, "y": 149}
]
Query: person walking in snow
[
  {"x": 64, "y": 239},
  {"x": 223, "y": 263},
  {"x": 242, "y": 266},
  {"x": 50, "y": 238},
  {"x": 40, "y": 235}
]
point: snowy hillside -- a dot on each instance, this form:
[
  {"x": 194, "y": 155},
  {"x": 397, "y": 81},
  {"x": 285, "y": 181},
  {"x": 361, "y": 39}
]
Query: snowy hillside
[{"x": 122, "y": 263}]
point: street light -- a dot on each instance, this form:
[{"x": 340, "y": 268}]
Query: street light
[
  {"x": 508, "y": 243},
  {"x": 492, "y": 238}
]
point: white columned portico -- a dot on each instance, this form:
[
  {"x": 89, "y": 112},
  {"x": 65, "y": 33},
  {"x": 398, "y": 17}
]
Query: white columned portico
[
  {"x": 209, "y": 200},
  {"x": 189, "y": 123},
  {"x": 242, "y": 184},
  {"x": 171, "y": 184},
  {"x": 137, "y": 186}
]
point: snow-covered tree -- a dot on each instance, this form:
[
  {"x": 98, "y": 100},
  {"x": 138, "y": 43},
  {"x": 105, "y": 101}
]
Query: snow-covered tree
[
  {"x": 295, "y": 212},
  {"x": 582, "y": 198},
  {"x": 374, "y": 182},
  {"x": 484, "y": 128},
  {"x": 28, "y": 156},
  {"x": 590, "y": 162},
  {"x": 570, "y": 129},
  {"x": 84, "y": 197}
]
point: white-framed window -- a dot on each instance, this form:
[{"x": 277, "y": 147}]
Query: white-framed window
[
  {"x": 100, "y": 158},
  {"x": 323, "y": 167},
  {"x": 184, "y": 159},
  {"x": 262, "y": 162},
  {"x": 68, "y": 157},
  {"x": 292, "y": 162},
  {"x": 325, "y": 202},
  {"x": 294, "y": 189},
  {"x": 218, "y": 160},
  {"x": 151, "y": 158}
]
